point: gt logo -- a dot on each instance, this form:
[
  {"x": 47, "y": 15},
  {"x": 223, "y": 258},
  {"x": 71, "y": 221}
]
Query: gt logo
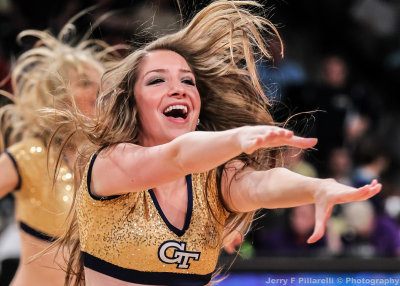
[{"x": 180, "y": 256}]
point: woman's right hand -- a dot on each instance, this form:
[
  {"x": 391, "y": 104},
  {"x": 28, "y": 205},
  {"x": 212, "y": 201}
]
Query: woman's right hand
[{"x": 252, "y": 138}]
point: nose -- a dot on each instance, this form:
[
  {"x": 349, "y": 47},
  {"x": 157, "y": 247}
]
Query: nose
[{"x": 176, "y": 90}]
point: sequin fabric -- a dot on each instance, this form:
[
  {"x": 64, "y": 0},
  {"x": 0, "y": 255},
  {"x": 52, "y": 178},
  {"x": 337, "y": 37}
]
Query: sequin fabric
[
  {"x": 37, "y": 204},
  {"x": 128, "y": 231}
]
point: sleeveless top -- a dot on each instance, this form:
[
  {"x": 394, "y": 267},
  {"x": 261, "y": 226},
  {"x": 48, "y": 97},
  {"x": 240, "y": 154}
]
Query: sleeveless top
[
  {"x": 41, "y": 210},
  {"x": 129, "y": 238}
]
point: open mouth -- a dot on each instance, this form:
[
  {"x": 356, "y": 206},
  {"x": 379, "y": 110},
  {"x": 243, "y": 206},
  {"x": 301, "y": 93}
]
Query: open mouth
[{"x": 176, "y": 111}]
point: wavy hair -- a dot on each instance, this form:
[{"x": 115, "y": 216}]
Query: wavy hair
[
  {"x": 222, "y": 45},
  {"x": 40, "y": 79},
  {"x": 41, "y": 82}
]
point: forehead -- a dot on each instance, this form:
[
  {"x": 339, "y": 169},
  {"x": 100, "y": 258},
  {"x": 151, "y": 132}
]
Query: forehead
[
  {"x": 163, "y": 59},
  {"x": 86, "y": 70}
]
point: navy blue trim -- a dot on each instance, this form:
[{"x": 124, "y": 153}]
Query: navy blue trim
[
  {"x": 89, "y": 179},
  {"x": 16, "y": 169},
  {"x": 143, "y": 277},
  {"x": 177, "y": 231},
  {"x": 36, "y": 233}
]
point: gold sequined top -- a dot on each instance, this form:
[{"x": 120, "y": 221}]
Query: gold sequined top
[
  {"x": 129, "y": 238},
  {"x": 40, "y": 209}
]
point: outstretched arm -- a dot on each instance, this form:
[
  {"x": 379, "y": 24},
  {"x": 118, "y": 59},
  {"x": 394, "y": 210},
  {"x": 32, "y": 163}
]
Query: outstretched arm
[
  {"x": 129, "y": 168},
  {"x": 8, "y": 175},
  {"x": 280, "y": 188}
]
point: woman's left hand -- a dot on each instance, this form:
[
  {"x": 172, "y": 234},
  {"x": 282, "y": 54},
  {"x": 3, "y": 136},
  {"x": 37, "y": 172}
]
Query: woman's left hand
[
  {"x": 331, "y": 193},
  {"x": 232, "y": 240}
]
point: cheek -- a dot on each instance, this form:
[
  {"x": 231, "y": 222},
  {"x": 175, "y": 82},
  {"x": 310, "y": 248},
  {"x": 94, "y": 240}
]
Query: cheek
[
  {"x": 195, "y": 98},
  {"x": 198, "y": 103},
  {"x": 85, "y": 97},
  {"x": 147, "y": 100},
  {"x": 146, "y": 112}
]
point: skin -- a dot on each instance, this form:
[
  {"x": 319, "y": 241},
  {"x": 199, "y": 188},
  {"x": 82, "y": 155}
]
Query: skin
[
  {"x": 164, "y": 82},
  {"x": 165, "y": 142},
  {"x": 45, "y": 271},
  {"x": 83, "y": 87}
]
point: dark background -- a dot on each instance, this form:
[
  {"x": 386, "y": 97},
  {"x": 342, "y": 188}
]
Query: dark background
[{"x": 364, "y": 34}]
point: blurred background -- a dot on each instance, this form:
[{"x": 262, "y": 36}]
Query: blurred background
[{"x": 338, "y": 81}]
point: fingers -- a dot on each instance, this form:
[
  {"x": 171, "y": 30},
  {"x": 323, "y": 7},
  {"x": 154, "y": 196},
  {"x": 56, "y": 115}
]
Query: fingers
[
  {"x": 277, "y": 133},
  {"x": 362, "y": 193},
  {"x": 284, "y": 137},
  {"x": 302, "y": 143},
  {"x": 317, "y": 234},
  {"x": 282, "y": 133},
  {"x": 322, "y": 215},
  {"x": 271, "y": 136},
  {"x": 230, "y": 249},
  {"x": 230, "y": 245},
  {"x": 368, "y": 191},
  {"x": 322, "y": 212}
]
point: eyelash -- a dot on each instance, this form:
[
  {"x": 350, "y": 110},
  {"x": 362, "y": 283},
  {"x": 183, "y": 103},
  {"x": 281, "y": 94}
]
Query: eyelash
[
  {"x": 155, "y": 81},
  {"x": 158, "y": 80},
  {"x": 189, "y": 81}
]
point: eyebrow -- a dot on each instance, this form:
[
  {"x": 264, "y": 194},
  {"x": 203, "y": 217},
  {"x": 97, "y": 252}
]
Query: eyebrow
[{"x": 164, "y": 70}]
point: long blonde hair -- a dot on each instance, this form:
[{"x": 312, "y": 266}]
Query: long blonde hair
[
  {"x": 40, "y": 79},
  {"x": 41, "y": 82},
  {"x": 222, "y": 45}
]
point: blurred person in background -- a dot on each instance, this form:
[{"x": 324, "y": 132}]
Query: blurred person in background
[
  {"x": 366, "y": 229},
  {"x": 340, "y": 164},
  {"x": 371, "y": 160},
  {"x": 54, "y": 73},
  {"x": 368, "y": 233},
  {"x": 345, "y": 112},
  {"x": 290, "y": 237}
]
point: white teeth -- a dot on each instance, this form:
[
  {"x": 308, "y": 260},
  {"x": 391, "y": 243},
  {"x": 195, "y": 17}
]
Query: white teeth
[{"x": 182, "y": 107}]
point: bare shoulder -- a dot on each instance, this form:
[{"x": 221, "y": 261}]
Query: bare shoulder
[
  {"x": 119, "y": 150},
  {"x": 110, "y": 169},
  {"x": 235, "y": 180}
]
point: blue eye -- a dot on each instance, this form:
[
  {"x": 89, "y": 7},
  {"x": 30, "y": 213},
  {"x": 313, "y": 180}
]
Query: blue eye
[
  {"x": 155, "y": 81},
  {"x": 189, "y": 82}
]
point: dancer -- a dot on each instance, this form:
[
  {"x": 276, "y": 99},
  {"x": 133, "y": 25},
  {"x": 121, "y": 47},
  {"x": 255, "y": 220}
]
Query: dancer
[
  {"x": 57, "y": 74},
  {"x": 184, "y": 153}
]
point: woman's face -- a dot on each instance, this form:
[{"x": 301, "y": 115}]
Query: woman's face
[
  {"x": 84, "y": 89},
  {"x": 166, "y": 96}
]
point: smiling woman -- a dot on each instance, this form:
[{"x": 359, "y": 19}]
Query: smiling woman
[
  {"x": 159, "y": 191},
  {"x": 167, "y": 98}
]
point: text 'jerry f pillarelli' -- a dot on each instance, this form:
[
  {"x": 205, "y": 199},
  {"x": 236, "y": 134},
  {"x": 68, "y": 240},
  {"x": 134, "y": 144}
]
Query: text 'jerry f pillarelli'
[{"x": 300, "y": 280}]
